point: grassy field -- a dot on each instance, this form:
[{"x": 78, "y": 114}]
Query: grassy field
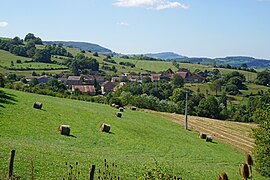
[
  {"x": 235, "y": 100},
  {"x": 139, "y": 138},
  {"x": 6, "y": 58}
]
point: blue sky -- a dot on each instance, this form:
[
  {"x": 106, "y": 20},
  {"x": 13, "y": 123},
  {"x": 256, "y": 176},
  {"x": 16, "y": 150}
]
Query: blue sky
[{"x": 195, "y": 28}]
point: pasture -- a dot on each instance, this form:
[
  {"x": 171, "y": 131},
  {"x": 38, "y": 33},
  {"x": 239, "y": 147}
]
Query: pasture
[{"x": 138, "y": 139}]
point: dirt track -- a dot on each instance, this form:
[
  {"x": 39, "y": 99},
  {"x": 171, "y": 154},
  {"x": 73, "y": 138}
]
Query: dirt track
[{"x": 234, "y": 133}]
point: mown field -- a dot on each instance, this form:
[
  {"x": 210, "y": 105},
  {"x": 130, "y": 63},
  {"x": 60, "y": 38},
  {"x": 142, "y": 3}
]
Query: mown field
[{"x": 136, "y": 140}]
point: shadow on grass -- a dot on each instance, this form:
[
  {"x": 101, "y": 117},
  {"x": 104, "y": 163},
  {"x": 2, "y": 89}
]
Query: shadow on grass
[
  {"x": 72, "y": 136},
  {"x": 6, "y": 98}
]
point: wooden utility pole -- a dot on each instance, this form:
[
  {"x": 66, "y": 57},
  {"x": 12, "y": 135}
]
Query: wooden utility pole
[
  {"x": 186, "y": 112},
  {"x": 10, "y": 175}
]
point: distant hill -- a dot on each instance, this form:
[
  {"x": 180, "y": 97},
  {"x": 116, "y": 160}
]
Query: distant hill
[
  {"x": 231, "y": 60},
  {"x": 239, "y": 60},
  {"x": 83, "y": 46},
  {"x": 165, "y": 55}
]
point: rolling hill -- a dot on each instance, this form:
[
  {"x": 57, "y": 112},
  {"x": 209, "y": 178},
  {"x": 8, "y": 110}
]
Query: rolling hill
[
  {"x": 138, "y": 139},
  {"x": 82, "y": 45},
  {"x": 231, "y": 60}
]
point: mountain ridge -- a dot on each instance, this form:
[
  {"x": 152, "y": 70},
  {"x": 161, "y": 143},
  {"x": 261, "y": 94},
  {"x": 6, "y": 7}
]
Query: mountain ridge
[{"x": 82, "y": 45}]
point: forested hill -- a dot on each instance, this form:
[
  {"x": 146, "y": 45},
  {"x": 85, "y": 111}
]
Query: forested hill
[
  {"x": 231, "y": 60},
  {"x": 82, "y": 45}
]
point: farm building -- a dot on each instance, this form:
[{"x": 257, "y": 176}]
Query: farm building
[
  {"x": 90, "y": 89},
  {"x": 106, "y": 87},
  {"x": 74, "y": 80}
]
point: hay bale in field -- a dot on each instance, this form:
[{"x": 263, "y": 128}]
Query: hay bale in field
[
  {"x": 209, "y": 139},
  {"x": 133, "y": 108},
  {"x": 224, "y": 176},
  {"x": 37, "y": 105},
  {"x": 249, "y": 160},
  {"x": 105, "y": 127},
  {"x": 113, "y": 105},
  {"x": 202, "y": 135},
  {"x": 117, "y": 106},
  {"x": 121, "y": 109},
  {"x": 245, "y": 171},
  {"x": 64, "y": 130},
  {"x": 119, "y": 114}
]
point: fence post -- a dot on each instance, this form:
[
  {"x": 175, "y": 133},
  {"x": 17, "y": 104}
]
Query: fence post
[
  {"x": 11, "y": 164},
  {"x": 92, "y": 172}
]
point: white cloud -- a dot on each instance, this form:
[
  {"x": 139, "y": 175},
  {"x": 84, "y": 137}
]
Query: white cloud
[
  {"x": 150, "y": 4},
  {"x": 123, "y": 24},
  {"x": 3, "y": 24}
]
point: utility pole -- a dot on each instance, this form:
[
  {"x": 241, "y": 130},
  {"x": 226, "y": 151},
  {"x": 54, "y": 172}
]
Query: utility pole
[{"x": 186, "y": 112}]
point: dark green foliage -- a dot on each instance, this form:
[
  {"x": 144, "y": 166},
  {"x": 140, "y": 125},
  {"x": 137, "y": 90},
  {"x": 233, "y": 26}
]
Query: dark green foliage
[
  {"x": 2, "y": 80},
  {"x": 31, "y": 37},
  {"x": 231, "y": 89},
  {"x": 58, "y": 50},
  {"x": 263, "y": 78},
  {"x": 177, "y": 81},
  {"x": 33, "y": 82},
  {"x": 262, "y": 141},
  {"x": 127, "y": 64},
  {"x": 81, "y": 62},
  {"x": 146, "y": 79},
  {"x": 42, "y": 55},
  {"x": 109, "y": 60},
  {"x": 209, "y": 107}
]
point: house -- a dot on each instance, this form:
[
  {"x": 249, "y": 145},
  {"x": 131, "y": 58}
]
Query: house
[
  {"x": 107, "y": 87},
  {"x": 90, "y": 89},
  {"x": 197, "y": 78},
  {"x": 116, "y": 79},
  {"x": 134, "y": 78},
  {"x": 91, "y": 79},
  {"x": 64, "y": 80},
  {"x": 155, "y": 77},
  {"x": 74, "y": 80},
  {"x": 40, "y": 79}
]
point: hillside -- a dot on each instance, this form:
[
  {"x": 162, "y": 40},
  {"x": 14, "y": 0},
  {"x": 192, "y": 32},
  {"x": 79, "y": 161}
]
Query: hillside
[
  {"x": 139, "y": 138},
  {"x": 231, "y": 60},
  {"x": 82, "y": 45},
  {"x": 165, "y": 55}
]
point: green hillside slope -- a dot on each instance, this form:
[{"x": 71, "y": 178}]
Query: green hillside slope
[{"x": 137, "y": 139}]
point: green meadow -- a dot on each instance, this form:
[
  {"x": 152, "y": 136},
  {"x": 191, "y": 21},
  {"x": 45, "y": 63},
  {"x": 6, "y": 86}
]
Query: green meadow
[{"x": 138, "y": 139}]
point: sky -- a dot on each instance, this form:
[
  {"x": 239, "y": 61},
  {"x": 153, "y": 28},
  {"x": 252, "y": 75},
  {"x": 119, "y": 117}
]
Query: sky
[{"x": 194, "y": 28}]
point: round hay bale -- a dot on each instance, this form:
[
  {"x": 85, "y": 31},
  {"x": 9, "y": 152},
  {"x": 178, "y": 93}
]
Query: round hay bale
[
  {"x": 224, "y": 176},
  {"x": 133, "y": 108},
  {"x": 119, "y": 114},
  {"x": 209, "y": 139},
  {"x": 105, "y": 127},
  {"x": 64, "y": 130},
  {"x": 37, "y": 105},
  {"x": 121, "y": 109},
  {"x": 245, "y": 171},
  {"x": 202, "y": 135},
  {"x": 113, "y": 105},
  {"x": 249, "y": 160},
  {"x": 117, "y": 106}
]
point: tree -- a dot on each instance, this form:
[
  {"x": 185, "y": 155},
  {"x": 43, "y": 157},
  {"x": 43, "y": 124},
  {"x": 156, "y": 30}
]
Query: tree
[
  {"x": 146, "y": 79},
  {"x": 2, "y": 80},
  {"x": 231, "y": 89},
  {"x": 42, "y": 55},
  {"x": 178, "y": 95},
  {"x": 263, "y": 78},
  {"x": 209, "y": 107},
  {"x": 177, "y": 81},
  {"x": 216, "y": 86},
  {"x": 33, "y": 82},
  {"x": 262, "y": 141},
  {"x": 29, "y": 36}
]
